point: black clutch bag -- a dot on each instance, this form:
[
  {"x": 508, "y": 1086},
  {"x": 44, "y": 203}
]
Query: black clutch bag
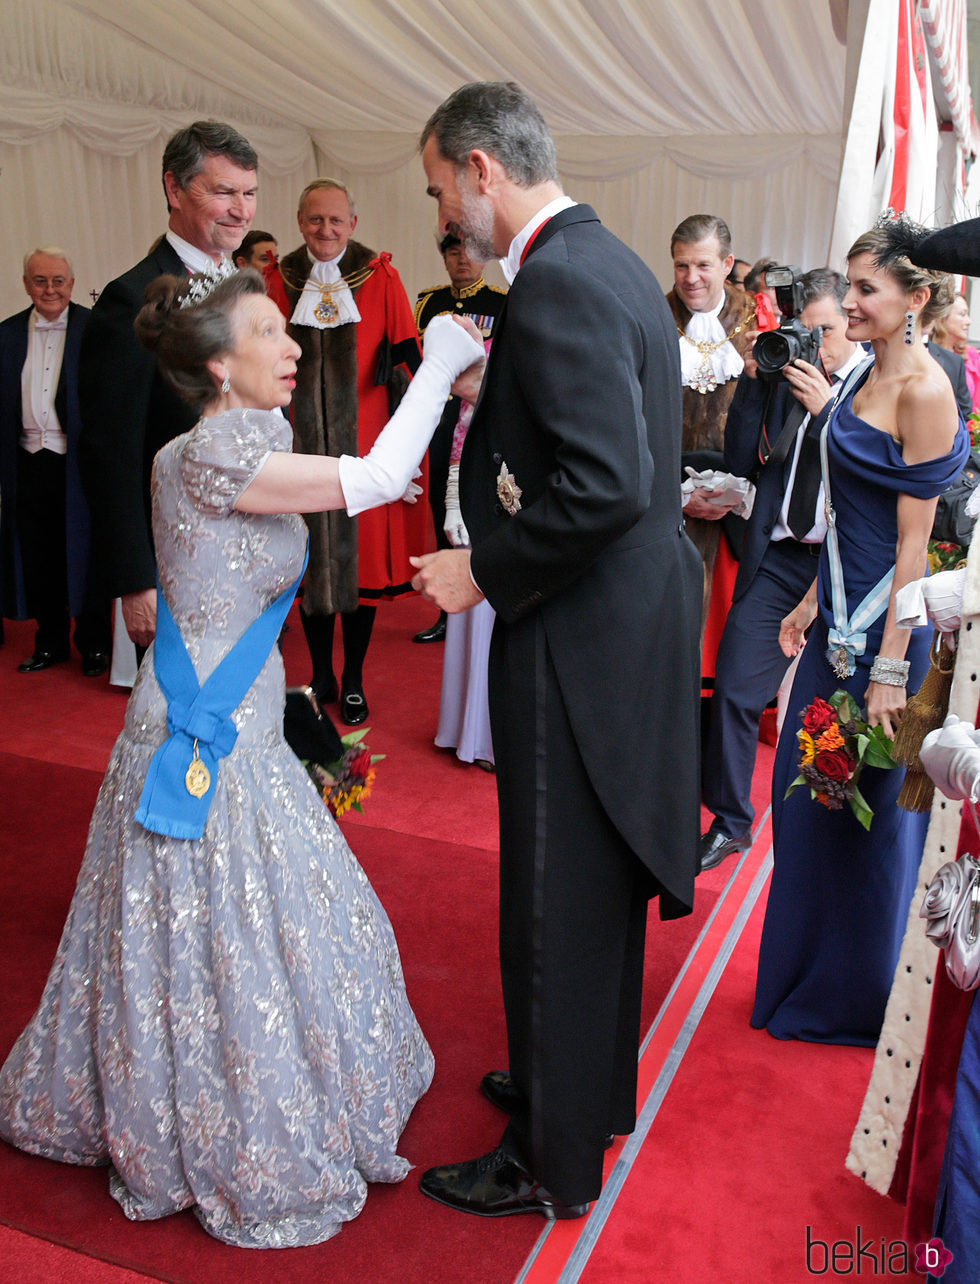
[{"x": 308, "y": 730}]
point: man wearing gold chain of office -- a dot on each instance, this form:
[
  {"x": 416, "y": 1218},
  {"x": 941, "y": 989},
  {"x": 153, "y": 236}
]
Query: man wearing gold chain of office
[
  {"x": 715, "y": 328},
  {"x": 353, "y": 322}
]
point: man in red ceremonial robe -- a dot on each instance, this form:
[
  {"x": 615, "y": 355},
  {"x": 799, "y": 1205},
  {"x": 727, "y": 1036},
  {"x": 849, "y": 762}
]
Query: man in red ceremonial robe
[{"x": 352, "y": 319}]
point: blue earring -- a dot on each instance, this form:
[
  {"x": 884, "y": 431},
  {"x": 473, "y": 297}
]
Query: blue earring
[{"x": 909, "y": 328}]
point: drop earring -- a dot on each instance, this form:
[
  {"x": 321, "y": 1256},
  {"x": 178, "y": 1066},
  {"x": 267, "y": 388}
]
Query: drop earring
[
  {"x": 226, "y": 382},
  {"x": 909, "y": 328}
]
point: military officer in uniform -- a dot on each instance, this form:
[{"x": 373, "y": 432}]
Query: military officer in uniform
[{"x": 467, "y": 294}]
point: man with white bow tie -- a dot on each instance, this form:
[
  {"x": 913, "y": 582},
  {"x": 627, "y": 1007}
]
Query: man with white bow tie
[
  {"x": 351, "y": 317},
  {"x": 46, "y": 571},
  {"x": 128, "y": 410}
]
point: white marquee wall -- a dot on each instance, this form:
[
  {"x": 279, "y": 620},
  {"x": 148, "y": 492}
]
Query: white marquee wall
[{"x": 660, "y": 108}]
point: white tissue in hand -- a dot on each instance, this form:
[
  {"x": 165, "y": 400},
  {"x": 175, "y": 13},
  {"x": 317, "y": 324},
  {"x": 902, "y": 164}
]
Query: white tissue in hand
[
  {"x": 951, "y": 758},
  {"x": 737, "y": 492}
]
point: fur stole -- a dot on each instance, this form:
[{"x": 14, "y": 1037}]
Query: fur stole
[
  {"x": 324, "y": 418},
  {"x": 704, "y": 414}
]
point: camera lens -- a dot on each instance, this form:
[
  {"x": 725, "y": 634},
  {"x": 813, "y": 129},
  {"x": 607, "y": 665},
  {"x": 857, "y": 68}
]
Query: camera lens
[{"x": 773, "y": 350}]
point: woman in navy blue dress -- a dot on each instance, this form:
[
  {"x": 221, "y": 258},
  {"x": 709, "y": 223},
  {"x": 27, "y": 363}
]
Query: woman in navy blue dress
[{"x": 840, "y": 895}]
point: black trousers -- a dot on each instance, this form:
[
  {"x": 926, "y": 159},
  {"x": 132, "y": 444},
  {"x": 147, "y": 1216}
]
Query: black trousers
[
  {"x": 748, "y": 671},
  {"x": 573, "y": 909},
  {"x": 43, "y": 536}
]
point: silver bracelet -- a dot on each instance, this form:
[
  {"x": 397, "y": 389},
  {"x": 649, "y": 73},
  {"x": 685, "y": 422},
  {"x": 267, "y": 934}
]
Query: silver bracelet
[{"x": 890, "y": 673}]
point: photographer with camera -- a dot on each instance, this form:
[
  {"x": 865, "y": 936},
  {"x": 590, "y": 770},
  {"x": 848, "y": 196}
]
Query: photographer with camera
[{"x": 772, "y": 436}]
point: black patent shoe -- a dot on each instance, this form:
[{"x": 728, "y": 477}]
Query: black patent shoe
[
  {"x": 435, "y": 632},
  {"x": 501, "y": 1091},
  {"x": 41, "y": 659},
  {"x": 494, "y": 1186},
  {"x": 94, "y": 664},
  {"x": 353, "y": 707}
]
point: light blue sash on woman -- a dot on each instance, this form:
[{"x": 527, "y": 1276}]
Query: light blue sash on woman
[
  {"x": 847, "y": 637},
  {"x": 183, "y": 772}
]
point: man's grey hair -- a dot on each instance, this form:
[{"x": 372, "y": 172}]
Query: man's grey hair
[
  {"x": 185, "y": 154},
  {"x": 325, "y": 185},
  {"x": 698, "y": 227},
  {"x": 54, "y": 251},
  {"x": 824, "y": 283},
  {"x": 499, "y": 118}
]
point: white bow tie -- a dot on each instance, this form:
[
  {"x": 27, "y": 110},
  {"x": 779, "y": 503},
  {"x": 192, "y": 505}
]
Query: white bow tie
[{"x": 51, "y": 325}]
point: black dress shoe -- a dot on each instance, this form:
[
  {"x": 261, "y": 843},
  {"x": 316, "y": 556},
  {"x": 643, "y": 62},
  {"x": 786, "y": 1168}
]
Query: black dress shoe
[
  {"x": 494, "y": 1186},
  {"x": 41, "y": 659},
  {"x": 94, "y": 664},
  {"x": 501, "y": 1091},
  {"x": 435, "y": 632},
  {"x": 715, "y": 846},
  {"x": 353, "y": 707}
]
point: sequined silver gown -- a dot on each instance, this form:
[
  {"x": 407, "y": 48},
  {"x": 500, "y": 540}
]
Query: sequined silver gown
[{"x": 225, "y": 1021}]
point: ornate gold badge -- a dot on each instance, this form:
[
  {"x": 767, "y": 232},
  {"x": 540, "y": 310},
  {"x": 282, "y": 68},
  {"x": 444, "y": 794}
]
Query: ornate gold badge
[
  {"x": 508, "y": 491},
  {"x": 198, "y": 778},
  {"x": 326, "y": 311}
]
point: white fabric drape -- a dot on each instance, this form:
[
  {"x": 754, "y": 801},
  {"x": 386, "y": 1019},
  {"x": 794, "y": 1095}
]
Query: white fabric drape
[{"x": 660, "y": 108}]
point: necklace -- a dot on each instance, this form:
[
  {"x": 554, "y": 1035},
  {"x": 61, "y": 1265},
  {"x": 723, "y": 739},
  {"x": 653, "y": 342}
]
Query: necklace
[{"x": 703, "y": 379}]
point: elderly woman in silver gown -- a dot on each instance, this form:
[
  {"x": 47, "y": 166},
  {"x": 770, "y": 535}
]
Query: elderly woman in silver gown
[{"x": 225, "y": 1024}]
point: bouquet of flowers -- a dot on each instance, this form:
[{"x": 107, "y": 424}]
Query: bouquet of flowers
[
  {"x": 835, "y": 745},
  {"x": 945, "y": 556},
  {"x": 344, "y": 784}
]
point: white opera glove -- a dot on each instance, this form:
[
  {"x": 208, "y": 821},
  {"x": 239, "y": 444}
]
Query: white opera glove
[
  {"x": 412, "y": 490},
  {"x": 937, "y": 598},
  {"x": 456, "y": 532},
  {"x": 951, "y": 758},
  {"x": 383, "y": 475}
]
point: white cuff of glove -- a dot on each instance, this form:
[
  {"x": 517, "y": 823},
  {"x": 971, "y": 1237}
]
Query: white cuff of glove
[
  {"x": 936, "y": 598},
  {"x": 383, "y": 475},
  {"x": 456, "y": 532}
]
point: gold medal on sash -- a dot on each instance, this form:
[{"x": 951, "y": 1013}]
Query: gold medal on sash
[{"x": 198, "y": 778}]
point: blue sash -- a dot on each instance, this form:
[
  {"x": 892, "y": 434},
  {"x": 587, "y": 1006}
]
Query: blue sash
[
  {"x": 848, "y": 637},
  {"x": 183, "y": 774}
]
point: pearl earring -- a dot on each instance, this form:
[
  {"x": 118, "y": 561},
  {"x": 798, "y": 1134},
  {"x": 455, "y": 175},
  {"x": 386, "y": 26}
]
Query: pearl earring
[
  {"x": 226, "y": 382},
  {"x": 909, "y": 328}
]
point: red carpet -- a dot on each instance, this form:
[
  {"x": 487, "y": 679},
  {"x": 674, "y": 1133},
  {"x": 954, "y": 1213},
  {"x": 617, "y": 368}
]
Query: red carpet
[{"x": 428, "y": 844}]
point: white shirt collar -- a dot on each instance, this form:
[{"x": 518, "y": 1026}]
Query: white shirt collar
[
  {"x": 35, "y": 317},
  {"x": 853, "y": 361},
  {"x": 196, "y": 260},
  {"x": 510, "y": 265}
]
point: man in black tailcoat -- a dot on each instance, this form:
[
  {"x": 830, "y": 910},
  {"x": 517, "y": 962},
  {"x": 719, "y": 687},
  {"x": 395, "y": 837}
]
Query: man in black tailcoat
[
  {"x": 568, "y": 485},
  {"x": 128, "y": 411},
  {"x": 47, "y": 570}
]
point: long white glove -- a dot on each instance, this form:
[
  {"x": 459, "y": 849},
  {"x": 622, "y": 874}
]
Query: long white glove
[
  {"x": 413, "y": 490},
  {"x": 951, "y": 757},
  {"x": 383, "y": 475},
  {"x": 938, "y": 598},
  {"x": 456, "y": 532}
]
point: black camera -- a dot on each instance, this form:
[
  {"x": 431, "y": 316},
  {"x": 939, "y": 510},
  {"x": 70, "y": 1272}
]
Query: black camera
[{"x": 775, "y": 349}]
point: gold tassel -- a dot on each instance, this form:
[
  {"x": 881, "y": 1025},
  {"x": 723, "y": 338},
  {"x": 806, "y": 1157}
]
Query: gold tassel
[{"x": 924, "y": 712}]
